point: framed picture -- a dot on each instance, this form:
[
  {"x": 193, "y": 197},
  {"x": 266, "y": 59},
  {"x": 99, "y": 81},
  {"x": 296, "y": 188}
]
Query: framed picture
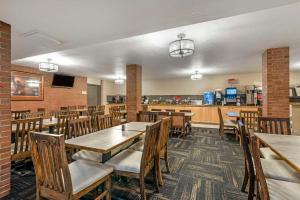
[{"x": 26, "y": 86}]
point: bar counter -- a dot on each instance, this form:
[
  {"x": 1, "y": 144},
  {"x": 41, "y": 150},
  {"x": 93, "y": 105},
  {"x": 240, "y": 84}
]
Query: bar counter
[{"x": 204, "y": 113}]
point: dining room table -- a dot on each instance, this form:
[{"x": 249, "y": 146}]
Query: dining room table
[
  {"x": 106, "y": 140},
  {"x": 287, "y": 147}
]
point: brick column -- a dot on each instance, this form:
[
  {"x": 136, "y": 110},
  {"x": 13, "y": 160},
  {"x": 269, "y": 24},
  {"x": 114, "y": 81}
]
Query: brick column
[
  {"x": 5, "y": 115},
  {"x": 133, "y": 90},
  {"x": 275, "y": 78}
]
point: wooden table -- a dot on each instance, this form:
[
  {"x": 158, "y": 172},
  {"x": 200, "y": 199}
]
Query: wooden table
[
  {"x": 134, "y": 126},
  {"x": 286, "y": 147},
  {"x": 104, "y": 141}
]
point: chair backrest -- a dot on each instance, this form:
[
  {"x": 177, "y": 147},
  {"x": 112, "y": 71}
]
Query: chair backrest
[
  {"x": 250, "y": 118},
  {"x": 94, "y": 119},
  {"x": 247, "y": 153},
  {"x": 56, "y": 114},
  {"x": 53, "y": 177},
  {"x": 221, "y": 121},
  {"x": 104, "y": 121},
  {"x": 150, "y": 147},
  {"x": 34, "y": 115},
  {"x": 70, "y": 108},
  {"x": 81, "y": 107},
  {"x": 262, "y": 186},
  {"x": 41, "y": 110},
  {"x": 122, "y": 107},
  {"x": 274, "y": 125},
  {"x": 21, "y": 149},
  {"x": 164, "y": 133},
  {"x": 101, "y": 108},
  {"x": 64, "y": 108},
  {"x": 144, "y": 107},
  {"x": 161, "y": 115},
  {"x": 147, "y": 116},
  {"x": 62, "y": 120},
  {"x": 185, "y": 111},
  {"x": 78, "y": 127},
  {"x": 92, "y": 109},
  {"x": 170, "y": 110},
  {"x": 155, "y": 109},
  {"x": 19, "y": 114},
  {"x": 178, "y": 120}
]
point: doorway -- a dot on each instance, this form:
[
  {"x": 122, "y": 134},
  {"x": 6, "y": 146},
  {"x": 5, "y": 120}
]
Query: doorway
[{"x": 93, "y": 93}]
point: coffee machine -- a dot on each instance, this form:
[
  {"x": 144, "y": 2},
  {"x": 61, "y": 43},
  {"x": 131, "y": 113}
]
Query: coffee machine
[
  {"x": 218, "y": 97},
  {"x": 253, "y": 95}
]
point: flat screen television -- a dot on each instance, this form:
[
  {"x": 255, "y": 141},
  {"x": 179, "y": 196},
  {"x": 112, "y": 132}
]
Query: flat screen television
[{"x": 60, "y": 80}]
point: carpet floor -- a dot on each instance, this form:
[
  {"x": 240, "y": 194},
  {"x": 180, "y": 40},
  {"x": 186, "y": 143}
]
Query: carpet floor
[{"x": 202, "y": 167}]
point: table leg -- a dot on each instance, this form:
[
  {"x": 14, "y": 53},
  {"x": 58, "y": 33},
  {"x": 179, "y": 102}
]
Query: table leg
[{"x": 106, "y": 156}]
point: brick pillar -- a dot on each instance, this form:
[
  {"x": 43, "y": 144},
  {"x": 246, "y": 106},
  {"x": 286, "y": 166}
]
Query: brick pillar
[
  {"x": 5, "y": 115},
  {"x": 275, "y": 78},
  {"x": 133, "y": 90}
]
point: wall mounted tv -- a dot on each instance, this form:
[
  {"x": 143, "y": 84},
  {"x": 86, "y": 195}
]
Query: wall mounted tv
[{"x": 60, "y": 80}]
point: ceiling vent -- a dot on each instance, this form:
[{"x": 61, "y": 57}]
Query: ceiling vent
[{"x": 42, "y": 39}]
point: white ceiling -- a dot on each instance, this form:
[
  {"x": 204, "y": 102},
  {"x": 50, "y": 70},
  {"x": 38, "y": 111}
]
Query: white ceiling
[{"x": 100, "y": 37}]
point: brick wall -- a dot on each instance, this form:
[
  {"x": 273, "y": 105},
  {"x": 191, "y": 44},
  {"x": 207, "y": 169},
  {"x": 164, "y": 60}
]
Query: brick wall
[
  {"x": 275, "y": 78},
  {"x": 5, "y": 116},
  {"x": 54, "y": 98},
  {"x": 133, "y": 90}
]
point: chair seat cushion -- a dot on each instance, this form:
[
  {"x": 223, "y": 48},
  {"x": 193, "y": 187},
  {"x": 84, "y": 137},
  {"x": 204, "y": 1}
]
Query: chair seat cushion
[
  {"x": 139, "y": 146},
  {"x": 85, "y": 173},
  {"x": 279, "y": 170},
  {"x": 126, "y": 161},
  {"x": 267, "y": 153},
  {"x": 88, "y": 155},
  {"x": 279, "y": 190}
]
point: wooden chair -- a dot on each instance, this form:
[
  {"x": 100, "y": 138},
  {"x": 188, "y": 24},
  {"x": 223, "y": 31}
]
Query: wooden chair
[
  {"x": 186, "y": 111},
  {"x": 104, "y": 122},
  {"x": 56, "y": 179},
  {"x": 250, "y": 118},
  {"x": 19, "y": 114},
  {"x": 62, "y": 121},
  {"x": 179, "y": 126},
  {"x": 268, "y": 188},
  {"x": 147, "y": 116},
  {"x": 92, "y": 109},
  {"x": 273, "y": 125},
  {"x": 101, "y": 108},
  {"x": 71, "y": 108},
  {"x": 161, "y": 115},
  {"x": 41, "y": 110},
  {"x": 34, "y": 115},
  {"x": 64, "y": 108},
  {"x": 226, "y": 125},
  {"x": 81, "y": 107},
  {"x": 273, "y": 169},
  {"x": 20, "y": 148},
  {"x": 144, "y": 107},
  {"x": 155, "y": 109},
  {"x": 94, "y": 118},
  {"x": 137, "y": 164},
  {"x": 78, "y": 127},
  {"x": 56, "y": 114}
]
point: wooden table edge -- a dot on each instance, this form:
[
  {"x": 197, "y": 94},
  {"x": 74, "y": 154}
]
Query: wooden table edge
[
  {"x": 279, "y": 154},
  {"x": 102, "y": 151}
]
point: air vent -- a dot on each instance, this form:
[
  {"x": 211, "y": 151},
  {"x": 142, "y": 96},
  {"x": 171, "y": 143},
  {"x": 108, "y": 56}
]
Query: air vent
[{"x": 42, "y": 39}]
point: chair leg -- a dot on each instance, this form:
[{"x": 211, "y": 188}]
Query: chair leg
[
  {"x": 251, "y": 188},
  {"x": 166, "y": 160},
  {"x": 246, "y": 179},
  {"x": 142, "y": 188},
  {"x": 160, "y": 180},
  {"x": 156, "y": 173}
]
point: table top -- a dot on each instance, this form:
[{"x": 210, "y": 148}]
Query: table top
[
  {"x": 105, "y": 140},
  {"x": 134, "y": 126},
  {"x": 233, "y": 114},
  {"x": 286, "y": 147}
]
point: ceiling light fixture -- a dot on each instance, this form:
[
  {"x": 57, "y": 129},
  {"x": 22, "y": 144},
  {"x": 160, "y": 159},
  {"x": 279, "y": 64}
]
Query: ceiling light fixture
[
  {"x": 196, "y": 76},
  {"x": 48, "y": 66},
  {"x": 182, "y": 47},
  {"x": 119, "y": 81}
]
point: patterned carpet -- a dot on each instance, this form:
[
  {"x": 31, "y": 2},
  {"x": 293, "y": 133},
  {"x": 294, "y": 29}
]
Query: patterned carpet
[{"x": 202, "y": 167}]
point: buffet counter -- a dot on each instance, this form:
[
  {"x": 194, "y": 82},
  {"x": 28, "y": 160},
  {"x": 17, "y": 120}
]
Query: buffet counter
[{"x": 204, "y": 113}]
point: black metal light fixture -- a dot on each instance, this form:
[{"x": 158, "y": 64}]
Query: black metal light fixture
[{"x": 182, "y": 47}]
